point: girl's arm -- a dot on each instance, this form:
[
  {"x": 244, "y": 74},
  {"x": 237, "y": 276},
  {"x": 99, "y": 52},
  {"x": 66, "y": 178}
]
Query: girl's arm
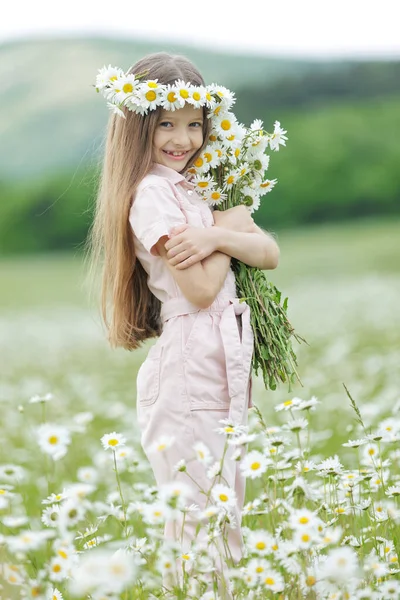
[{"x": 255, "y": 250}]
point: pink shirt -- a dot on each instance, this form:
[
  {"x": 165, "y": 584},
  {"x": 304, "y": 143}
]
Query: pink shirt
[{"x": 165, "y": 198}]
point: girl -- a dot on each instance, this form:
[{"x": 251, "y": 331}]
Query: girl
[{"x": 167, "y": 275}]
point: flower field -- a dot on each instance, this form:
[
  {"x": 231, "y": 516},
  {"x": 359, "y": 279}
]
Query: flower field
[{"x": 79, "y": 514}]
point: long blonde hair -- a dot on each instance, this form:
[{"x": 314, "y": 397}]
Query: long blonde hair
[{"x": 130, "y": 312}]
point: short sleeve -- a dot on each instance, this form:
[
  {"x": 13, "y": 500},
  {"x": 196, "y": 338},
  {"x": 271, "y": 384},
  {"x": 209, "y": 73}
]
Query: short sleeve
[{"x": 153, "y": 213}]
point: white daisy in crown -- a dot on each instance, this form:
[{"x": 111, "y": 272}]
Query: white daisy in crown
[
  {"x": 197, "y": 96},
  {"x": 149, "y": 94},
  {"x": 226, "y": 96},
  {"x": 107, "y": 75},
  {"x": 183, "y": 89},
  {"x": 123, "y": 87},
  {"x": 170, "y": 99}
]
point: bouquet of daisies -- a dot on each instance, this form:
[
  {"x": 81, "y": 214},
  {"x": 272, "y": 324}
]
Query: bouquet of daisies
[{"x": 229, "y": 172}]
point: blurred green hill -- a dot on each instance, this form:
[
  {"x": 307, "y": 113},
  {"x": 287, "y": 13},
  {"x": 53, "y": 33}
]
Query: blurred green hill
[{"x": 342, "y": 117}]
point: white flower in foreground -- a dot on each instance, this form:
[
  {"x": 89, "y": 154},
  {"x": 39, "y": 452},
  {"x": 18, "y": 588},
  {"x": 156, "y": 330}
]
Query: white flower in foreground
[
  {"x": 17, "y": 521},
  {"x": 223, "y": 495},
  {"x": 304, "y": 519},
  {"x": 113, "y": 441},
  {"x": 288, "y": 404},
  {"x": 162, "y": 444},
  {"x": 355, "y": 443},
  {"x": 229, "y": 428},
  {"x": 157, "y": 513},
  {"x": 203, "y": 453},
  {"x": 56, "y": 594},
  {"x": 341, "y": 565},
  {"x": 389, "y": 590},
  {"x": 36, "y": 399},
  {"x": 103, "y": 570},
  {"x": 53, "y": 440},
  {"x": 50, "y": 515},
  {"x": 330, "y": 466},
  {"x": 87, "y": 474},
  {"x": 53, "y": 498},
  {"x": 272, "y": 580},
  {"x": 12, "y": 474},
  {"x": 259, "y": 542},
  {"x": 27, "y": 540},
  {"x": 296, "y": 425},
  {"x": 254, "y": 464},
  {"x": 176, "y": 492},
  {"x": 393, "y": 490}
]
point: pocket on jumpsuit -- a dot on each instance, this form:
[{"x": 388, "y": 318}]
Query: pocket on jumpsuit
[
  {"x": 148, "y": 377},
  {"x": 204, "y": 364}
]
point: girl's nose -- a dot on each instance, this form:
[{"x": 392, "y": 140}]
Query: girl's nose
[{"x": 181, "y": 137}]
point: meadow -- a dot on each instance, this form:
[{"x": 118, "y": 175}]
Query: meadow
[{"x": 327, "y": 516}]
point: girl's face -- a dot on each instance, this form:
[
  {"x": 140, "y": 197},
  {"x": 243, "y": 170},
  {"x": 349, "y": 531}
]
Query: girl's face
[{"x": 178, "y": 136}]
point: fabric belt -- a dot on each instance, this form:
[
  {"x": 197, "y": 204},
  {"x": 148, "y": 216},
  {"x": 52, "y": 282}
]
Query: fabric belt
[{"x": 238, "y": 352}]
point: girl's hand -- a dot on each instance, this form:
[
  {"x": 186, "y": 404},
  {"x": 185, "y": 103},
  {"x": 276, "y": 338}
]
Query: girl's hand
[
  {"x": 237, "y": 218},
  {"x": 188, "y": 245}
]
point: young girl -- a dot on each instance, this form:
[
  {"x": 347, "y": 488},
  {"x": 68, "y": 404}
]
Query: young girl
[{"x": 167, "y": 275}]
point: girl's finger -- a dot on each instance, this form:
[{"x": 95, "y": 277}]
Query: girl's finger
[{"x": 177, "y": 229}]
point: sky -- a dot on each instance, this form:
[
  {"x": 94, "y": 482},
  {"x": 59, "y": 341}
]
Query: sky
[{"x": 309, "y": 28}]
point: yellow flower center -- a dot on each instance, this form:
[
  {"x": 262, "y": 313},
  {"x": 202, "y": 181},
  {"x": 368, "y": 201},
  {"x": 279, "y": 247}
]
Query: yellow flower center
[
  {"x": 152, "y": 84},
  {"x": 304, "y": 520},
  {"x": 275, "y": 547},
  {"x": 265, "y": 184},
  {"x": 230, "y": 180},
  {"x": 186, "y": 556},
  {"x": 184, "y": 93},
  {"x": 203, "y": 184},
  {"x": 228, "y": 429},
  {"x": 259, "y": 569},
  {"x": 56, "y": 568},
  {"x": 157, "y": 513},
  {"x": 113, "y": 442},
  {"x": 260, "y": 545},
  {"x": 269, "y": 581},
  {"x": 196, "y": 96},
  {"x": 215, "y": 195},
  {"x": 226, "y": 124},
  {"x": 53, "y": 439},
  {"x": 161, "y": 447},
  {"x": 213, "y": 138},
  {"x": 340, "y": 510},
  {"x": 305, "y": 537},
  {"x": 223, "y": 497},
  {"x": 231, "y": 138},
  {"x": 208, "y": 96},
  {"x": 167, "y": 565},
  {"x": 310, "y": 580},
  {"x": 199, "y": 162},
  {"x": 171, "y": 97},
  {"x": 127, "y": 88},
  {"x": 150, "y": 96},
  {"x": 207, "y": 156},
  {"x": 288, "y": 403},
  {"x": 371, "y": 451},
  {"x": 237, "y": 152},
  {"x": 217, "y": 110},
  {"x": 201, "y": 453},
  {"x": 62, "y": 553},
  {"x": 255, "y": 466}
]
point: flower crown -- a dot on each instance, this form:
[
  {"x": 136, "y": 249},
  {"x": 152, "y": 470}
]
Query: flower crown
[
  {"x": 231, "y": 169},
  {"x": 140, "y": 96}
]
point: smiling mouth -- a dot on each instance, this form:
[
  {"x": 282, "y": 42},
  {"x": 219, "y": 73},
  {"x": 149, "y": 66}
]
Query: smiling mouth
[{"x": 176, "y": 154}]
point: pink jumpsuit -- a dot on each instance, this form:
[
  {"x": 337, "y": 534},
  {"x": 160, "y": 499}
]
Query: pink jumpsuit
[{"x": 198, "y": 371}]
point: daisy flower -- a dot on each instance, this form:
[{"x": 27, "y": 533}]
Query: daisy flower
[
  {"x": 116, "y": 110},
  {"x": 107, "y": 75},
  {"x": 201, "y": 165},
  {"x": 41, "y": 399},
  {"x": 113, "y": 441},
  {"x": 203, "y": 453},
  {"x": 230, "y": 179},
  {"x": 170, "y": 98},
  {"x": 53, "y": 440},
  {"x": 182, "y": 90},
  {"x": 163, "y": 443},
  {"x": 149, "y": 94},
  {"x": 273, "y": 581},
  {"x": 197, "y": 96},
  {"x": 278, "y": 137},
  {"x": 211, "y": 156},
  {"x": 393, "y": 490},
  {"x": 288, "y": 404},
  {"x": 250, "y": 198},
  {"x": 223, "y": 495},
  {"x": 254, "y": 464},
  {"x": 226, "y": 97},
  {"x": 123, "y": 88},
  {"x": 203, "y": 183},
  {"x": 50, "y": 515},
  {"x": 266, "y": 186},
  {"x": 259, "y": 542},
  {"x": 225, "y": 124},
  {"x": 257, "y": 125},
  {"x": 214, "y": 197}
]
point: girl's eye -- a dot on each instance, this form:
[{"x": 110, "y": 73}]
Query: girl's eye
[
  {"x": 196, "y": 124},
  {"x": 165, "y": 123}
]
